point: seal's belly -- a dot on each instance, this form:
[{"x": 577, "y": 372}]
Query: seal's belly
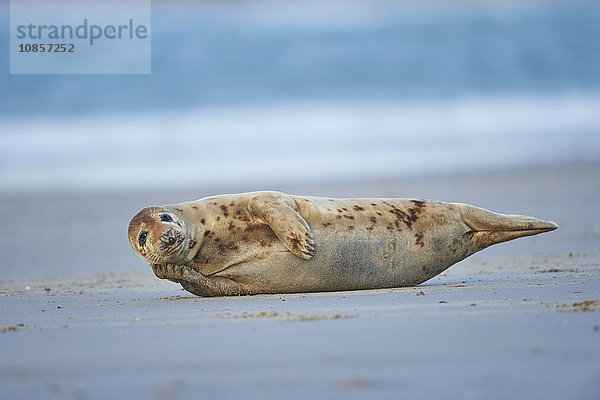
[{"x": 369, "y": 251}]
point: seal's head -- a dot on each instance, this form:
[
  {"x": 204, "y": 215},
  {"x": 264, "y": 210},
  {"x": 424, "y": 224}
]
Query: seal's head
[{"x": 158, "y": 235}]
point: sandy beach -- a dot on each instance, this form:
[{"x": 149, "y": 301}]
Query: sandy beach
[{"x": 81, "y": 317}]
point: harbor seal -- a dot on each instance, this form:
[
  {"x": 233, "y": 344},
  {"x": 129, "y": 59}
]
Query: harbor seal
[{"x": 271, "y": 242}]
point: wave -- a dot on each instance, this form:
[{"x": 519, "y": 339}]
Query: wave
[
  {"x": 244, "y": 53},
  {"x": 302, "y": 142}
]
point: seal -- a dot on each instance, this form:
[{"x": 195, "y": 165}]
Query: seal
[{"x": 271, "y": 242}]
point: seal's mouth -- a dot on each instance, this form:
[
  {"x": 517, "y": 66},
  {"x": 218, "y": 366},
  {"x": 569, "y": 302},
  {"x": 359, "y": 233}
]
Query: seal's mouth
[{"x": 170, "y": 243}]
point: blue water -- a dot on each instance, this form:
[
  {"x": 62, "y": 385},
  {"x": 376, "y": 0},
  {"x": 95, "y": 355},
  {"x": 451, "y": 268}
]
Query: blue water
[
  {"x": 250, "y": 53},
  {"x": 245, "y": 92}
]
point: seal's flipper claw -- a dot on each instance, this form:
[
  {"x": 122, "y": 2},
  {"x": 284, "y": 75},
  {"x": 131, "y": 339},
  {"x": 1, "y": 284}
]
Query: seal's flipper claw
[
  {"x": 156, "y": 270},
  {"x": 167, "y": 271},
  {"x": 311, "y": 249},
  {"x": 279, "y": 212}
]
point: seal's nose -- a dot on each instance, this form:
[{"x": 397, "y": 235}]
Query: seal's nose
[{"x": 168, "y": 237}]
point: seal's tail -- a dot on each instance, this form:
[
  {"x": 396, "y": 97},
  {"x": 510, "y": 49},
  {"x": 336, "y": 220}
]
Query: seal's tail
[{"x": 489, "y": 228}]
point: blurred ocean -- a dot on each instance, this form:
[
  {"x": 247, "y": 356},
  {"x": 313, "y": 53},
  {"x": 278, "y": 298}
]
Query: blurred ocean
[{"x": 262, "y": 92}]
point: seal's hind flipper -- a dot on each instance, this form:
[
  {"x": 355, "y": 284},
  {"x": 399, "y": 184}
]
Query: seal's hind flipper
[
  {"x": 489, "y": 228},
  {"x": 279, "y": 212}
]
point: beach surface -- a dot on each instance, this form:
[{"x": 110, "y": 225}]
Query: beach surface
[{"x": 81, "y": 317}]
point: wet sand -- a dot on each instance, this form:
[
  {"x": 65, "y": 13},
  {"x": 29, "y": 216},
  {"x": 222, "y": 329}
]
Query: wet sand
[{"x": 81, "y": 317}]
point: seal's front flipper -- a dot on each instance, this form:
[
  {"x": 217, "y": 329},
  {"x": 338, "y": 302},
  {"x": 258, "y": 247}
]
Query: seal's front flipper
[
  {"x": 198, "y": 284},
  {"x": 165, "y": 271},
  {"x": 489, "y": 228},
  {"x": 279, "y": 212}
]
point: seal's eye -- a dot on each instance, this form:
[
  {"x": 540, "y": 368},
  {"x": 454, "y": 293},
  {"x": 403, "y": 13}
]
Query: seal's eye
[
  {"x": 142, "y": 238},
  {"x": 165, "y": 218}
]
